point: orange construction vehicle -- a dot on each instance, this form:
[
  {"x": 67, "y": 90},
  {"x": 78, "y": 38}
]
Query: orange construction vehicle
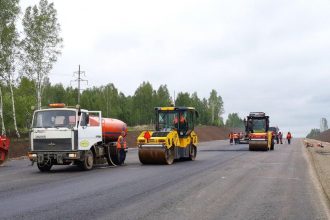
[{"x": 4, "y": 147}]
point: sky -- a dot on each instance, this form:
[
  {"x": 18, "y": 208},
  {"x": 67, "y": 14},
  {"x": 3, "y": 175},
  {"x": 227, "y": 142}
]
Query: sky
[{"x": 271, "y": 56}]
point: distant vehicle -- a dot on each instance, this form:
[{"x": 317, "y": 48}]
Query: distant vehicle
[
  {"x": 274, "y": 131},
  {"x": 260, "y": 138}
]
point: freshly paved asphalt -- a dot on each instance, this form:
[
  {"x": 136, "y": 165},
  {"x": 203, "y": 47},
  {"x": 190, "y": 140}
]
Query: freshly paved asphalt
[{"x": 225, "y": 182}]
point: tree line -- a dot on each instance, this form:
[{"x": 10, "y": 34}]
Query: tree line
[{"x": 136, "y": 109}]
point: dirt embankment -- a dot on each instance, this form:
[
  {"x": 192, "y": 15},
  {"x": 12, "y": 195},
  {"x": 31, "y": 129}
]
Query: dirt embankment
[
  {"x": 324, "y": 136},
  {"x": 20, "y": 147},
  {"x": 319, "y": 154}
]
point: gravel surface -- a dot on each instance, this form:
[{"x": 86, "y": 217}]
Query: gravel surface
[{"x": 320, "y": 159}]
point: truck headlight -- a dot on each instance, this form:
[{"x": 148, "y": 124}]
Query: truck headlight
[
  {"x": 32, "y": 156},
  {"x": 72, "y": 155}
]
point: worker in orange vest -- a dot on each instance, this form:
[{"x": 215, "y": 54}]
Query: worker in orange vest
[
  {"x": 235, "y": 136},
  {"x": 175, "y": 121},
  {"x": 231, "y": 137},
  {"x": 122, "y": 147},
  {"x": 183, "y": 122},
  {"x": 288, "y": 137}
]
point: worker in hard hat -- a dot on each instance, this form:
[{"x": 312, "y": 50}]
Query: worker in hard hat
[
  {"x": 289, "y": 137},
  {"x": 122, "y": 148}
]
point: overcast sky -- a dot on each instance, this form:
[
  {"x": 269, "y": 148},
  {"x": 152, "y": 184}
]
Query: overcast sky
[{"x": 271, "y": 56}]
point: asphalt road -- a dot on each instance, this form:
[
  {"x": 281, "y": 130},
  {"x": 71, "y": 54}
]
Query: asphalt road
[{"x": 225, "y": 182}]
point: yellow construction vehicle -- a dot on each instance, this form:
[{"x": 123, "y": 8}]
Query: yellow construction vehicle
[
  {"x": 260, "y": 137},
  {"x": 174, "y": 136}
]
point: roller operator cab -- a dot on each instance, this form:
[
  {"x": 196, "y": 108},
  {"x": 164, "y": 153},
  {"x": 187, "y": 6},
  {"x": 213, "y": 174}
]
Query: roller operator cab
[
  {"x": 69, "y": 135},
  {"x": 173, "y": 137},
  {"x": 260, "y": 137}
]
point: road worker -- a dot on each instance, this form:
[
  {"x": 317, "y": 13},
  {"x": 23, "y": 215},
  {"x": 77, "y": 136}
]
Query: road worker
[
  {"x": 183, "y": 122},
  {"x": 175, "y": 121},
  {"x": 236, "y": 137},
  {"x": 288, "y": 137},
  {"x": 280, "y": 137},
  {"x": 121, "y": 147},
  {"x": 231, "y": 137}
]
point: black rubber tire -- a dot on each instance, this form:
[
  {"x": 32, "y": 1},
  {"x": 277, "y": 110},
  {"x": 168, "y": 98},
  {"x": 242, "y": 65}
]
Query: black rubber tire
[
  {"x": 44, "y": 167},
  {"x": 88, "y": 162},
  {"x": 169, "y": 156},
  {"x": 192, "y": 152}
]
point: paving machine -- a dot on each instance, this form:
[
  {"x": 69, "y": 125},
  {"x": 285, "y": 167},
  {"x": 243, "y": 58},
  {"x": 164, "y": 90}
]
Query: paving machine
[
  {"x": 4, "y": 146},
  {"x": 173, "y": 138},
  {"x": 260, "y": 137}
]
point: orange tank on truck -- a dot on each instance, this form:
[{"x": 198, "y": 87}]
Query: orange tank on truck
[{"x": 111, "y": 128}]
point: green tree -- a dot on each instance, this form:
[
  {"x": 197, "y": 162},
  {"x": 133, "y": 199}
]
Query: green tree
[
  {"x": 143, "y": 107},
  {"x": 42, "y": 43},
  {"x": 216, "y": 108},
  {"x": 183, "y": 99},
  {"x": 162, "y": 97},
  {"x": 126, "y": 108},
  {"x": 234, "y": 121},
  {"x": 25, "y": 99},
  {"x": 9, "y": 10}
]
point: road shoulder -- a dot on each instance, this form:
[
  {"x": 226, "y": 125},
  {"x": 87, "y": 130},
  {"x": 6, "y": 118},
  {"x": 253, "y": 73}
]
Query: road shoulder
[{"x": 319, "y": 168}]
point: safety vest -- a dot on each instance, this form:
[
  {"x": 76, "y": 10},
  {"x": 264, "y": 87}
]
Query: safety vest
[
  {"x": 182, "y": 120},
  {"x": 121, "y": 142},
  {"x": 288, "y": 136}
]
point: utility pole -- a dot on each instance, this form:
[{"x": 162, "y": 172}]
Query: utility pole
[{"x": 78, "y": 80}]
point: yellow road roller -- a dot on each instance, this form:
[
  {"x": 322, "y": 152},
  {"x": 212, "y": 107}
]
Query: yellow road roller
[
  {"x": 260, "y": 138},
  {"x": 173, "y": 138}
]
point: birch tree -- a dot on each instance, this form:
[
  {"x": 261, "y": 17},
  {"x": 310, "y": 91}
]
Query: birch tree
[
  {"x": 42, "y": 43},
  {"x": 216, "y": 107},
  {"x": 9, "y": 10}
]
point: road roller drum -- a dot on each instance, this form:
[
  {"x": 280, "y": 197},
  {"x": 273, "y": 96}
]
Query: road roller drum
[
  {"x": 258, "y": 145},
  {"x": 156, "y": 155}
]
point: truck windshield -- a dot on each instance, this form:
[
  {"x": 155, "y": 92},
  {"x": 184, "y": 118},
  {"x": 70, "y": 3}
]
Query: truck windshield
[
  {"x": 54, "y": 119},
  {"x": 167, "y": 121},
  {"x": 259, "y": 125}
]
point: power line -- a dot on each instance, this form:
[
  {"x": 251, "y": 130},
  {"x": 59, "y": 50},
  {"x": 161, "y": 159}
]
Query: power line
[{"x": 79, "y": 80}]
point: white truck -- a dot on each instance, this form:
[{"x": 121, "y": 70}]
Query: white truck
[{"x": 63, "y": 135}]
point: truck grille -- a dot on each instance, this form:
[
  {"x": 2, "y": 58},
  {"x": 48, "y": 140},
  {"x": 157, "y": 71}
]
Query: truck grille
[{"x": 52, "y": 144}]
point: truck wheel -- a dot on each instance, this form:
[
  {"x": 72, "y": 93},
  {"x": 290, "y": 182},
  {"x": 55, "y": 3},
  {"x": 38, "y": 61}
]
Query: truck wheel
[
  {"x": 192, "y": 152},
  {"x": 44, "y": 167},
  {"x": 87, "y": 163}
]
